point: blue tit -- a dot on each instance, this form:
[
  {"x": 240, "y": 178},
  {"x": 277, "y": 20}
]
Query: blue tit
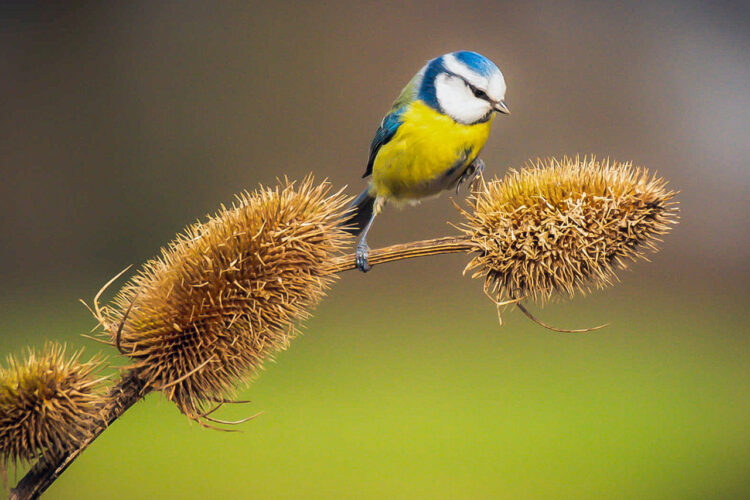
[{"x": 430, "y": 139}]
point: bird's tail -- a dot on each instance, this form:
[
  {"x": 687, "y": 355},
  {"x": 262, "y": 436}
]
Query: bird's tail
[{"x": 359, "y": 213}]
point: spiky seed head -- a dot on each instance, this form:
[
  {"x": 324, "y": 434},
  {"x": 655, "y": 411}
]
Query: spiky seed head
[
  {"x": 225, "y": 295},
  {"x": 48, "y": 402},
  {"x": 558, "y": 226}
]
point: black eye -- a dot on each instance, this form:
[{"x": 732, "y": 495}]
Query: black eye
[{"x": 480, "y": 94}]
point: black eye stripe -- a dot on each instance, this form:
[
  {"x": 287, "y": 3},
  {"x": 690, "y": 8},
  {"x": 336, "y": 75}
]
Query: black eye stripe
[
  {"x": 481, "y": 94},
  {"x": 478, "y": 93}
]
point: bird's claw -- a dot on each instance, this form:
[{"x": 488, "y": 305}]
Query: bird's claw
[
  {"x": 476, "y": 174},
  {"x": 363, "y": 252},
  {"x": 471, "y": 175}
]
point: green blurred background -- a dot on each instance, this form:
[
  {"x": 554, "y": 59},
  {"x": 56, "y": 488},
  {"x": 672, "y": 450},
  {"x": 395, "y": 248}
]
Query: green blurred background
[{"x": 123, "y": 122}]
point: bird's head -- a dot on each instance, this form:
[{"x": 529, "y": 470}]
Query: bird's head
[{"x": 465, "y": 85}]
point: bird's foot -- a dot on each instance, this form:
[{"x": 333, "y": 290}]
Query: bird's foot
[
  {"x": 471, "y": 175},
  {"x": 363, "y": 252}
]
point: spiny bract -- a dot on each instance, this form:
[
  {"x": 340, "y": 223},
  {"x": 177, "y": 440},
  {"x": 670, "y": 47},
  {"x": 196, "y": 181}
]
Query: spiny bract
[
  {"x": 561, "y": 226},
  {"x": 225, "y": 295},
  {"x": 48, "y": 402}
]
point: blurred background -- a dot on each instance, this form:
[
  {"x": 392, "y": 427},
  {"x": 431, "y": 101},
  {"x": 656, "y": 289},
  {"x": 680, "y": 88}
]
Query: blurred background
[{"x": 123, "y": 122}]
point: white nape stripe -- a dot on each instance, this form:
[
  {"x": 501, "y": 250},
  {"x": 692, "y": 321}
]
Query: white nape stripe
[{"x": 455, "y": 66}]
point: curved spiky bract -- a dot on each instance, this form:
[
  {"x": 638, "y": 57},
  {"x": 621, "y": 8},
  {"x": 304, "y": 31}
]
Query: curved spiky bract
[
  {"x": 557, "y": 226},
  {"x": 225, "y": 295},
  {"x": 48, "y": 402}
]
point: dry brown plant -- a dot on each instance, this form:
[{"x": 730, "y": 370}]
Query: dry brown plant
[
  {"x": 227, "y": 294},
  {"x": 48, "y": 403}
]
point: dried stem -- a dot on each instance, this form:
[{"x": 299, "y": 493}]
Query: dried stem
[
  {"x": 448, "y": 244},
  {"x": 125, "y": 394},
  {"x": 552, "y": 227},
  {"x": 131, "y": 388}
]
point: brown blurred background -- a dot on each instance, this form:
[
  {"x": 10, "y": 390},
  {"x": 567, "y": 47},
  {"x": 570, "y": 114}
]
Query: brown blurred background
[{"x": 123, "y": 122}]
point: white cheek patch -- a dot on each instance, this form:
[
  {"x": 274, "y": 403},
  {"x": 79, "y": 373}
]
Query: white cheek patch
[{"x": 457, "y": 101}]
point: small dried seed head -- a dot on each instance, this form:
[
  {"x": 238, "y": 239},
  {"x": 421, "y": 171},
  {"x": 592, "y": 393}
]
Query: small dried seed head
[
  {"x": 225, "y": 294},
  {"x": 561, "y": 226},
  {"x": 48, "y": 403}
]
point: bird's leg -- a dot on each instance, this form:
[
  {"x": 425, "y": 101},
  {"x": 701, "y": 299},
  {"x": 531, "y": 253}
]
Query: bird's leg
[
  {"x": 478, "y": 172},
  {"x": 471, "y": 174},
  {"x": 363, "y": 251}
]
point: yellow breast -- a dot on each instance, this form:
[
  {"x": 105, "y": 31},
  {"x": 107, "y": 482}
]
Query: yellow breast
[{"x": 426, "y": 155}]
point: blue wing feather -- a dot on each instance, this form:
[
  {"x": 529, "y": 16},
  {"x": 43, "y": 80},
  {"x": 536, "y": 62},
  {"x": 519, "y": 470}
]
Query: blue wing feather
[
  {"x": 392, "y": 120},
  {"x": 384, "y": 134}
]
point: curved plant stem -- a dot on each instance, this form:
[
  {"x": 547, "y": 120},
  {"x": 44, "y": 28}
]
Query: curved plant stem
[
  {"x": 423, "y": 248},
  {"x": 131, "y": 388},
  {"x": 125, "y": 394}
]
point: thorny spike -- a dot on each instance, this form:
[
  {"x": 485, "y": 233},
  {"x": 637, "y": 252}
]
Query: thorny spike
[
  {"x": 97, "y": 311},
  {"x": 122, "y": 322},
  {"x": 185, "y": 376},
  {"x": 554, "y": 329},
  {"x": 230, "y": 401},
  {"x": 230, "y": 289},
  {"x": 233, "y": 422},
  {"x": 48, "y": 402},
  {"x": 557, "y": 227}
]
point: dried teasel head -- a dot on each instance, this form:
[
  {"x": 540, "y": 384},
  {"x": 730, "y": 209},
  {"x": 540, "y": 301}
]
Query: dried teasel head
[
  {"x": 561, "y": 226},
  {"x": 48, "y": 403},
  {"x": 225, "y": 294}
]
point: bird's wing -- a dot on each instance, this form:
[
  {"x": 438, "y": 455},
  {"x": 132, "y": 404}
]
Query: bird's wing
[
  {"x": 392, "y": 120},
  {"x": 385, "y": 133}
]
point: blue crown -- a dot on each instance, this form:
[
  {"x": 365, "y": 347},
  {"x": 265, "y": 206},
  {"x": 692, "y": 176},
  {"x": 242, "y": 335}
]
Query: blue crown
[
  {"x": 472, "y": 60},
  {"x": 476, "y": 62}
]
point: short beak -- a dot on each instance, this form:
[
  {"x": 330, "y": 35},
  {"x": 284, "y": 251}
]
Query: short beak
[{"x": 501, "y": 107}]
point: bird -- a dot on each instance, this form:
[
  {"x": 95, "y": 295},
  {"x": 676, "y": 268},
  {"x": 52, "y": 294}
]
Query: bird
[{"x": 430, "y": 139}]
